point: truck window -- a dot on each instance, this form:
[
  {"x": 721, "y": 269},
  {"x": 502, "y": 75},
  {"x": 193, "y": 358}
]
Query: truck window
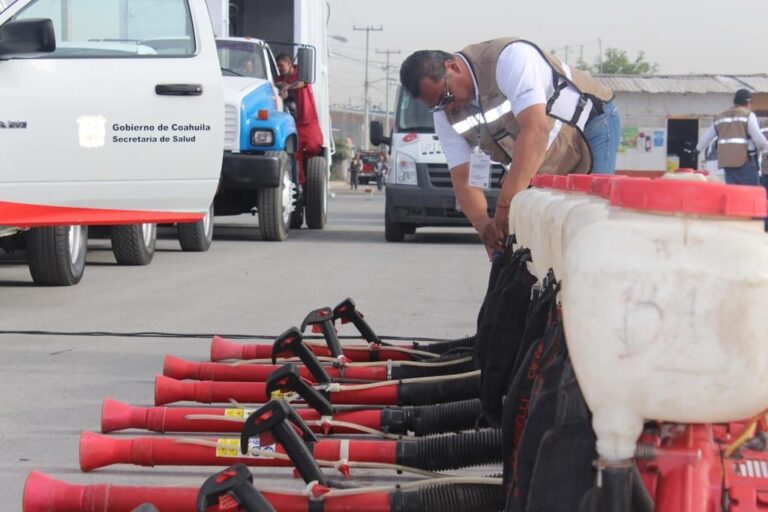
[
  {"x": 412, "y": 115},
  {"x": 240, "y": 58},
  {"x": 116, "y": 28}
]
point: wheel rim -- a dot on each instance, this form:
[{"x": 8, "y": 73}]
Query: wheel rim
[
  {"x": 147, "y": 234},
  {"x": 76, "y": 238},
  {"x": 287, "y": 198}
]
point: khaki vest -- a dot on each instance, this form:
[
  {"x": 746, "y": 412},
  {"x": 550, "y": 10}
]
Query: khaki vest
[
  {"x": 494, "y": 128},
  {"x": 732, "y": 137}
]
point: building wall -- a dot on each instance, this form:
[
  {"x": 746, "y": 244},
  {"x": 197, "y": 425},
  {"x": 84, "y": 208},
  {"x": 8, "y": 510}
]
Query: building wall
[{"x": 644, "y": 119}]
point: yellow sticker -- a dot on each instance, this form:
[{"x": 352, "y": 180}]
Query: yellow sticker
[
  {"x": 228, "y": 447},
  {"x": 234, "y": 413}
]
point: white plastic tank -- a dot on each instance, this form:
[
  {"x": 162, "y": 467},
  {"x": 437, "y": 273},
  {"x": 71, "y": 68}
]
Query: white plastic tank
[
  {"x": 523, "y": 209},
  {"x": 574, "y": 188},
  {"x": 535, "y": 232},
  {"x": 664, "y": 308}
]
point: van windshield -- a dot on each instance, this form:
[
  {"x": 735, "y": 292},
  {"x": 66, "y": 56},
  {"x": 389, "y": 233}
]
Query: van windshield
[{"x": 412, "y": 115}]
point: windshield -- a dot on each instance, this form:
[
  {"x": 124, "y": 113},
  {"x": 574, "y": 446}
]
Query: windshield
[
  {"x": 239, "y": 58},
  {"x": 116, "y": 28},
  {"x": 412, "y": 115}
]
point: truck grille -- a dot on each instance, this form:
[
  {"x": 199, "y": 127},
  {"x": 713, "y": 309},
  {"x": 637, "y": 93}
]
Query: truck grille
[
  {"x": 440, "y": 177},
  {"x": 231, "y": 128}
]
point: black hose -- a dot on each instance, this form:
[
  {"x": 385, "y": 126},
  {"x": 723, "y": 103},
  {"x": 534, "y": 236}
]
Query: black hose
[
  {"x": 442, "y": 347},
  {"x": 438, "y": 392},
  {"x": 431, "y": 419},
  {"x": 451, "y": 451},
  {"x": 449, "y": 498},
  {"x": 410, "y": 372}
]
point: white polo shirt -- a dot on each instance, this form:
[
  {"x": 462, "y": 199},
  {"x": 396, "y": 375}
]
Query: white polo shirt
[{"x": 522, "y": 74}]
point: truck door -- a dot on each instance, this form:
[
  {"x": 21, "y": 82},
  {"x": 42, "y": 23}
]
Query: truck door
[{"x": 122, "y": 123}]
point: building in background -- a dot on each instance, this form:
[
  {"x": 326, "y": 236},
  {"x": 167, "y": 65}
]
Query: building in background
[
  {"x": 348, "y": 121},
  {"x": 663, "y": 116}
]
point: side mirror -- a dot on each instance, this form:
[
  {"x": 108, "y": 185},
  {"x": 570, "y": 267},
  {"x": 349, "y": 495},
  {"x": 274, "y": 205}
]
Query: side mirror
[
  {"x": 306, "y": 63},
  {"x": 27, "y": 36},
  {"x": 377, "y": 134}
]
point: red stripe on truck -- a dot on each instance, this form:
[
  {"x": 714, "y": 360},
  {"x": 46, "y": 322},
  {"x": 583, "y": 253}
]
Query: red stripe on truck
[{"x": 31, "y": 215}]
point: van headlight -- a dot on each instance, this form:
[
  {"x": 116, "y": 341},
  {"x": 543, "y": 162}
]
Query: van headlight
[
  {"x": 262, "y": 138},
  {"x": 404, "y": 172}
]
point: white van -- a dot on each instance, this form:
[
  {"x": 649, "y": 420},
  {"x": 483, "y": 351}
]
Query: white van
[
  {"x": 110, "y": 114},
  {"x": 419, "y": 189}
]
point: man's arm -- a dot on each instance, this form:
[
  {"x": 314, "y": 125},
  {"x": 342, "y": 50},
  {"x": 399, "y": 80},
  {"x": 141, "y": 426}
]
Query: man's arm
[
  {"x": 754, "y": 132},
  {"x": 530, "y": 150},
  {"x": 472, "y": 201},
  {"x": 708, "y": 136}
]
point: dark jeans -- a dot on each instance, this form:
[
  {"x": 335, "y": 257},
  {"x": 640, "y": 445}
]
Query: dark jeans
[
  {"x": 353, "y": 181},
  {"x": 747, "y": 174}
]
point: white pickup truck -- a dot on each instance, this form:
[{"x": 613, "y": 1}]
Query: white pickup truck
[{"x": 110, "y": 115}]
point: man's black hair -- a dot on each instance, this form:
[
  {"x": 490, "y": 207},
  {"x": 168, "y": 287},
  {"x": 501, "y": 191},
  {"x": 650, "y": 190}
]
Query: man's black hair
[
  {"x": 742, "y": 97},
  {"x": 420, "y": 65},
  {"x": 284, "y": 56}
]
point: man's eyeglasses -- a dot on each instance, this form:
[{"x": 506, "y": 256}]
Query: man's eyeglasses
[{"x": 446, "y": 100}]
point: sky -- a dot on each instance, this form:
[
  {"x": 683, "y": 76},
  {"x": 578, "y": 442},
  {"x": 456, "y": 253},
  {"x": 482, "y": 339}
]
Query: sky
[{"x": 681, "y": 36}]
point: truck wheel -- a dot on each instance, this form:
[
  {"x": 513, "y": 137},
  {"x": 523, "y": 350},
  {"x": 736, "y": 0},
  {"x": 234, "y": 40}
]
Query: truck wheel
[
  {"x": 275, "y": 204},
  {"x": 196, "y": 236},
  {"x": 393, "y": 231},
  {"x": 56, "y": 254},
  {"x": 133, "y": 244},
  {"x": 317, "y": 192}
]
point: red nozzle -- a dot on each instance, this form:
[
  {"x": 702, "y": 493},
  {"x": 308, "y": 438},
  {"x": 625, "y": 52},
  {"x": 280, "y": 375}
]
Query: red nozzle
[
  {"x": 222, "y": 349},
  {"x": 97, "y": 451},
  {"x": 45, "y": 494},
  {"x": 168, "y": 390},
  {"x": 117, "y": 415},
  {"x": 178, "y": 368}
]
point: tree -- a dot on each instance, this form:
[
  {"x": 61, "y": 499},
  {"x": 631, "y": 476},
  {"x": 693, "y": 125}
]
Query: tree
[{"x": 616, "y": 62}]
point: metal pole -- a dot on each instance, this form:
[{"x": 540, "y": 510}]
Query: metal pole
[
  {"x": 600, "y": 58},
  {"x": 368, "y": 29},
  {"x": 386, "y": 90}
]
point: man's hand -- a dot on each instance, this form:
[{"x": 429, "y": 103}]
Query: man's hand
[
  {"x": 501, "y": 219},
  {"x": 492, "y": 238}
]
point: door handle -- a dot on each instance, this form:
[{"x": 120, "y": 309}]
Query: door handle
[{"x": 179, "y": 89}]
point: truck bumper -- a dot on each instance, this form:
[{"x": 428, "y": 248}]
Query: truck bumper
[{"x": 242, "y": 171}]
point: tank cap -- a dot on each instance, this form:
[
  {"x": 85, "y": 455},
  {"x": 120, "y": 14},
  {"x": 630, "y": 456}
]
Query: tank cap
[
  {"x": 691, "y": 197},
  {"x": 601, "y": 184},
  {"x": 544, "y": 180},
  {"x": 579, "y": 182},
  {"x": 560, "y": 183}
]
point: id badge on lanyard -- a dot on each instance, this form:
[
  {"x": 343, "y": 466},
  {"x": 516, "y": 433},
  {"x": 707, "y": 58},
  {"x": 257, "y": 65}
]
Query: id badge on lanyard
[{"x": 479, "y": 169}]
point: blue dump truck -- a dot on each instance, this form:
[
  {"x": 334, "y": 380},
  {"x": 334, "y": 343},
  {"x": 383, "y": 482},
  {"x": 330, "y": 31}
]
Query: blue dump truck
[{"x": 262, "y": 165}]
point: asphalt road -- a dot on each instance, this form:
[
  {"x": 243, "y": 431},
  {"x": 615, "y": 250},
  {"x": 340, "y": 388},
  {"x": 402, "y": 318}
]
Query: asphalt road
[{"x": 51, "y": 386}]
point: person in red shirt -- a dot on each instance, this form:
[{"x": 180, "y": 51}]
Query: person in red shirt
[{"x": 293, "y": 90}]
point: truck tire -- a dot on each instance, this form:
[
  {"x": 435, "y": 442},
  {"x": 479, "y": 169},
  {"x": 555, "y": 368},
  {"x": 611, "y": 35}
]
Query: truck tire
[
  {"x": 133, "y": 244},
  {"x": 317, "y": 192},
  {"x": 56, "y": 255},
  {"x": 393, "y": 231},
  {"x": 196, "y": 236},
  {"x": 275, "y": 204}
]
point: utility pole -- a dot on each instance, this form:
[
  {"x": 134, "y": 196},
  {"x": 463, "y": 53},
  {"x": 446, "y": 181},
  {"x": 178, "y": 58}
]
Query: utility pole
[
  {"x": 600, "y": 58},
  {"x": 368, "y": 29},
  {"x": 386, "y": 89}
]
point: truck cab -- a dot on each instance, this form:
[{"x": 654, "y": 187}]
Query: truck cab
[
  {"x": 266, "y": 168},
  {"x": 419, "y": 190},
  {"x": 113, "y": 117}
]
